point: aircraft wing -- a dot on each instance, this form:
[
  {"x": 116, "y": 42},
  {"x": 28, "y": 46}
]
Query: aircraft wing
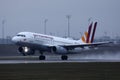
[{"x": 98, "y": 44}]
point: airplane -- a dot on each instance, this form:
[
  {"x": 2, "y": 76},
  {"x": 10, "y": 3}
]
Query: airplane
[{"x": 29, "y": 42}]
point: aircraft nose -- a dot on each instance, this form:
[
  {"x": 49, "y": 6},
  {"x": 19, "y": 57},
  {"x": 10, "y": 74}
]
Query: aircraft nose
[{"x": 14, "y": 39}]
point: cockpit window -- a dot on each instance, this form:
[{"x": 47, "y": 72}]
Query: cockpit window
[{"x": 21, "y": 35}]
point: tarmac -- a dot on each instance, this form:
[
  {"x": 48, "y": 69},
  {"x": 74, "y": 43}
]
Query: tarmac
[{"x": 13, "y": 66}]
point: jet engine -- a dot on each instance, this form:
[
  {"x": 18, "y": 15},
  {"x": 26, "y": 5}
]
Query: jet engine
[
  {"x": 26, "y": 51},
  {"x": 59, "y": 49}
]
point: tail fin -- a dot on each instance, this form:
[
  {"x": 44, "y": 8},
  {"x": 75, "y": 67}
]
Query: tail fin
[
  {"x": 93, "y": 34},
  {"x": 87, "y": 35},
  {"x": 89, "y": 31}
]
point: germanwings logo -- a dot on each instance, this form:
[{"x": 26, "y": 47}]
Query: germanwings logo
[
  {"x": 42, "y": 36},
  {"x": 87, "y": 37}
]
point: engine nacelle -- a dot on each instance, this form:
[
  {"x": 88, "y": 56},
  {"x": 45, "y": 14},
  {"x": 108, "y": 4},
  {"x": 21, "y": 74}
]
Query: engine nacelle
[
  {"x": 26, "y": 51},
  {"x": 59, "y": 50}
]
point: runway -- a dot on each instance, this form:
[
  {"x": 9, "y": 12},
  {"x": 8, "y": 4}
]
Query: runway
[
  {"x": 53, "y": 68},
  {"x": 34, "y": 59},
  {"x": 68, "y": 61},
  {"x": 89, "y": 65}
]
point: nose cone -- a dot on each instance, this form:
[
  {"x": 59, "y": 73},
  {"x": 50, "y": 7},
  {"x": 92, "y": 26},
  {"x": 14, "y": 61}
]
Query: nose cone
[{"x": 14, "y": 39}]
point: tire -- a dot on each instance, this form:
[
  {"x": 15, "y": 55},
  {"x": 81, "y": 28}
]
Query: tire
[
  {"x": 41, "y": 57},
  {"x": 64, "y": 57}
]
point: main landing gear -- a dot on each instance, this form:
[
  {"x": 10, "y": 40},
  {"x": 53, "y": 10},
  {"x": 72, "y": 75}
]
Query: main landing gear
[
  {"x": 64, "y": 57},
  {"x": 42, "y": 57}
]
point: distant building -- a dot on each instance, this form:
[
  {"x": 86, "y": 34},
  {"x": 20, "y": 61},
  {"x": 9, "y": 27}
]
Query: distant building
[
  {"x": 103, "y": 38},
  {"x": 117, "y": 39},
  {"x": 107, "y": 38}
]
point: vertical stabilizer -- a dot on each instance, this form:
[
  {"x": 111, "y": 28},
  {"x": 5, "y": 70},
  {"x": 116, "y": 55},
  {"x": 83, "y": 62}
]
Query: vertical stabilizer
[
  {"x": 88, "y": 36},
  {"x": 93, "y": 34},
  {"x": 89, "y": 32}
]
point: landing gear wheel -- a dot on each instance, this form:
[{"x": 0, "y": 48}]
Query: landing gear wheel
[
  {"x": 41, "y": 57},
  {"x": 64, "y": 57}
]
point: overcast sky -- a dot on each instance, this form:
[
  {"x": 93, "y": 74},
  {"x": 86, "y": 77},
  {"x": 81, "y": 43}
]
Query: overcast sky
[{"x": 29, "y": 15}]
